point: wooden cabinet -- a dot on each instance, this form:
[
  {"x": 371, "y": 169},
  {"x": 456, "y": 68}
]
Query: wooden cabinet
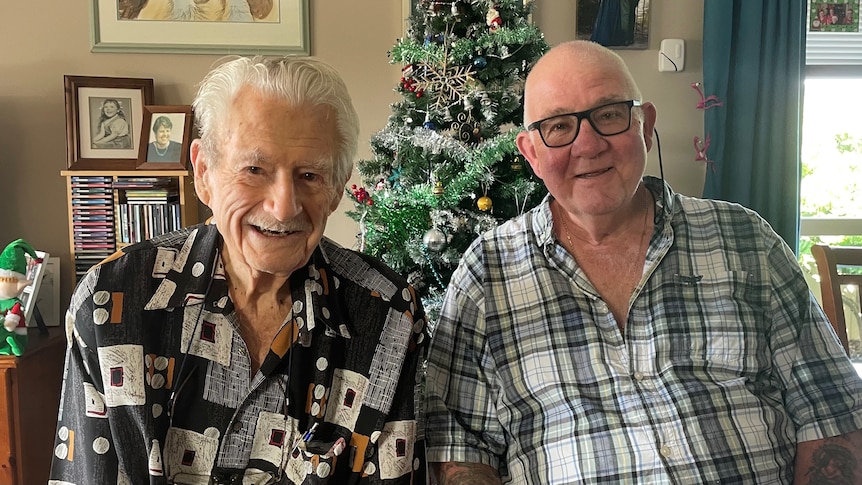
[
  {"x": 29, "y": 400},
  {"x": 108, "y": 210}
]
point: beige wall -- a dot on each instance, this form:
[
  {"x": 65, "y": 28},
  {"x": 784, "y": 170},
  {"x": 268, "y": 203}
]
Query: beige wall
[{"x": 353, "y": 36}]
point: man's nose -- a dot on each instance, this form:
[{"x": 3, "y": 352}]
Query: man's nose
[
  {"x": 283, "y": 202},
  {"x": 588, "y": 142}
]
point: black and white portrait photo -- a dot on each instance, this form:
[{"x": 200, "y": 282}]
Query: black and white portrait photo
[{"x": 111, "y": 127}]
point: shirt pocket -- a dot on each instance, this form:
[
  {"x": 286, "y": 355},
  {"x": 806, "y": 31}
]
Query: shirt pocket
[{"x": 715, "y": 325}]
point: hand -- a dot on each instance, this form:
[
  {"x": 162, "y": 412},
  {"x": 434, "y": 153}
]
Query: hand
[{"x": 10, "y": 322}]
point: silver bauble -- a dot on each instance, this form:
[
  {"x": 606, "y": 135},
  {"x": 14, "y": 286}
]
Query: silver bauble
[{"x": 435, "y": 240}]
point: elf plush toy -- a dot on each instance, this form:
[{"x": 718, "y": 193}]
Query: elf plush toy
[{"x": 13, "y": 280}]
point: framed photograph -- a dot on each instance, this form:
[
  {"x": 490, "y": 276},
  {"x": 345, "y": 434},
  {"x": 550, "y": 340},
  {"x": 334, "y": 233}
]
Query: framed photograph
[
  {"x": 834, "y": 16},
  {"x": 266, "y": 27},
  {"x": 616, "y": 25},
  {"x": 165, "y": 137},
  {"x": 104, "y": 116}
]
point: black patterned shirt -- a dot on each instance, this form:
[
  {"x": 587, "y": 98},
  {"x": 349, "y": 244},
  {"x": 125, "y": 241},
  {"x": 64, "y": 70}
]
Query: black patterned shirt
[{"x": 158, "y": 389}]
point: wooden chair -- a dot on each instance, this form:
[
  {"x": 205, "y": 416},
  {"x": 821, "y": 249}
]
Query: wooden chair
[{"x": 828, "y": 259}]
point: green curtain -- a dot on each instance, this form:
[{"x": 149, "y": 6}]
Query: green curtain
[{"x": 753, "y": 61}]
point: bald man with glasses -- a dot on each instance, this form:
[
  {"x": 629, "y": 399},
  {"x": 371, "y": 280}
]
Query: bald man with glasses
[{"x": 620, "y": 332}]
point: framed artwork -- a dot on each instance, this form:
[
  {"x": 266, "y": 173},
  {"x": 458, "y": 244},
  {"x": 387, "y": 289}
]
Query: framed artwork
[
  {"x": 165, "y": 137},
  {"x": 834, "y": 16},
  {"x": 104, "y": 116},
  {"x": 620, "y": 24},
  {"x": 266, "y": 27}
]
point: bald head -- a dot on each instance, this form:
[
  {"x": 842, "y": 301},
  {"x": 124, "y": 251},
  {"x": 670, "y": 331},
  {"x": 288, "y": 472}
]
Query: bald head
[{"x": 576, "y": 65}]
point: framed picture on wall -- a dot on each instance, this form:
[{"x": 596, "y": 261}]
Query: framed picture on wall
[
  {"x": 834, "y": 16},
  {"x": 165, "y": 137},
  {"x": 104, "y": 116},
  {"x": 614, "y": 24},
  {"x": 266, "y": 27}
]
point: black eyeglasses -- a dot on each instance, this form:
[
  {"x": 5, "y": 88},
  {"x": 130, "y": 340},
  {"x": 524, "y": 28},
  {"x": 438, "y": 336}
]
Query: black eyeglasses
[{"x": 607, "y": 120}]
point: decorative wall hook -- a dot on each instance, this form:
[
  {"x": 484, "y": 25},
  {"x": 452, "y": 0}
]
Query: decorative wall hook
[
  {"x": 707, "y": 102},
  {"x": 700, "y": 148}
]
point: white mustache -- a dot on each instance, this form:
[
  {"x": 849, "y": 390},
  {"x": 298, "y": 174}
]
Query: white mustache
[{"x": 275, "y": 226}]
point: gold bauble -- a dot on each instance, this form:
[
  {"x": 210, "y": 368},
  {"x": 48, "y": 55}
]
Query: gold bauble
[
  {"x": 438, "y": 188},
  {"x": 484, "y": 203}
]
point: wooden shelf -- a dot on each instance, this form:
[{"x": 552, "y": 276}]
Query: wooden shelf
[{"x": 182, "y": 180}]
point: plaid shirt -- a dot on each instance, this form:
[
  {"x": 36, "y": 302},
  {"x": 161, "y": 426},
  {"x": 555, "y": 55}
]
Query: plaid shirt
[
  {"x": 158, "y": 389},
  {"x": 726, "y": 362}
]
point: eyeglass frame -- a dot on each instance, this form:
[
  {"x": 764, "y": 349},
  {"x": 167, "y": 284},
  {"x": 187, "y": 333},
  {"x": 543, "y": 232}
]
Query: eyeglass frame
[{"x": 585, "y": 115}]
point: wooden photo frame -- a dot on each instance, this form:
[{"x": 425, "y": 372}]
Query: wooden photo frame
[
  {"x": 104, "y": 116},
  {"x": 276, "y": 27},
  {"x": 166, "y": 134}
]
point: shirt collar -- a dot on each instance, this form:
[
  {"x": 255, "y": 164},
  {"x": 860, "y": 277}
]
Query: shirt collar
[
  {"x": 543, "y": 220},
  {"x": 197, "y": 272}
]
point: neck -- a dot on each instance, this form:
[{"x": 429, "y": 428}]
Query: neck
[
  {"x": 606, "y": 230},
  {"x": 248, "y": 286}
]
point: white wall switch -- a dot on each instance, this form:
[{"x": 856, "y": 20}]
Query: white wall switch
[{"x": 671, "y": 55}]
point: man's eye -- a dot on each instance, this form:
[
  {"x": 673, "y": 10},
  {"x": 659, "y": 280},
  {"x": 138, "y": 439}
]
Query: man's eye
[
  {"x": 311, "y": 177},
  {"x": 561, "y": 125},
  {"x": 254, "y": 170},
  {"x": 609, "y": 115}
]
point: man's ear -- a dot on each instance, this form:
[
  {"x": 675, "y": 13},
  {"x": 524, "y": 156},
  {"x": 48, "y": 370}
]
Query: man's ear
[
  {"x": 199, "y": 165},
  {"x": 649, "y": 114},
  {"x": 528, "y": 150},
  {"x": 336, "y": 199}
]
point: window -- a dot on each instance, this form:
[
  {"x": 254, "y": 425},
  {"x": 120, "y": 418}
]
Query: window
[{"x": 831, "y": 185}]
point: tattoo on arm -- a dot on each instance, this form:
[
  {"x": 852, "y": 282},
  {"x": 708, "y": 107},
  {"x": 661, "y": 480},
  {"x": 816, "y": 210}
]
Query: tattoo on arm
[
  {"x": 452, "y": 473},
  {"x": 832, "y": 464}
]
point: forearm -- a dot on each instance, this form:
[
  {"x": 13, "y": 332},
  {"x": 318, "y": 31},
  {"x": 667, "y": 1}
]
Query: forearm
[
  {"x": 108, "y": 138},
  {"x": 835, "y": 460},
  {"x": 455, "y": 473}
]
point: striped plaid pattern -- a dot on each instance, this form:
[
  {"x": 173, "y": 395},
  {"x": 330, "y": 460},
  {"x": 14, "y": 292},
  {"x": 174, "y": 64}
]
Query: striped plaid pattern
[{"x": 726, "y": 362}]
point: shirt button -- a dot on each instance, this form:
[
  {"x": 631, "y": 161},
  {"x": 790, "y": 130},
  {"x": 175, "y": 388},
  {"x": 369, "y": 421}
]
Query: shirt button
[
  {"x": 237, "y": 426},
  {"x": 639, "y": 376},
  {"x": 602, "y": 307},
  {"x": 665, "y": 451}
]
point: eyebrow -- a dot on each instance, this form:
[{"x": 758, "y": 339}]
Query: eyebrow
[
  {"x": 599, "y": 102},
  {"x": 256, "y": 157}
]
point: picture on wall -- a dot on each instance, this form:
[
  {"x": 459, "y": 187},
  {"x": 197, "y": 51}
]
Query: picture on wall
[
  {"x": 166, "y": 135},
  {"x": 265, "y": 27},
  {"x": 834, "y": 16},
  {"x": 104, "y": 116},
  {"x": 617, "y": 24}
]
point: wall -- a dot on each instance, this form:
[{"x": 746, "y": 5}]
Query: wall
[{"x": 353, "y": 36}]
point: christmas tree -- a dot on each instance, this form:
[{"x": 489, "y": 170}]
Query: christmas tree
[{"x": 445, "y": 167}]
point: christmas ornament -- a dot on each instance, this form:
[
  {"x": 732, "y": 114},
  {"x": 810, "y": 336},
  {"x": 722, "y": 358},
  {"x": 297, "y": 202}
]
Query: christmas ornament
[
  {"x": 361, "y": 195},
  {"x": 484, "y": 203},
  {"x": 492, "y": 18},
  {"x": 435, "y": 240},
  {"x": 517, "y": 164},
  {"x": 13, "y": 280},
  {"x": 438, "y": 188},
  {"x": 447, "y": 83},
  {"x": 479, "y": 62}
]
